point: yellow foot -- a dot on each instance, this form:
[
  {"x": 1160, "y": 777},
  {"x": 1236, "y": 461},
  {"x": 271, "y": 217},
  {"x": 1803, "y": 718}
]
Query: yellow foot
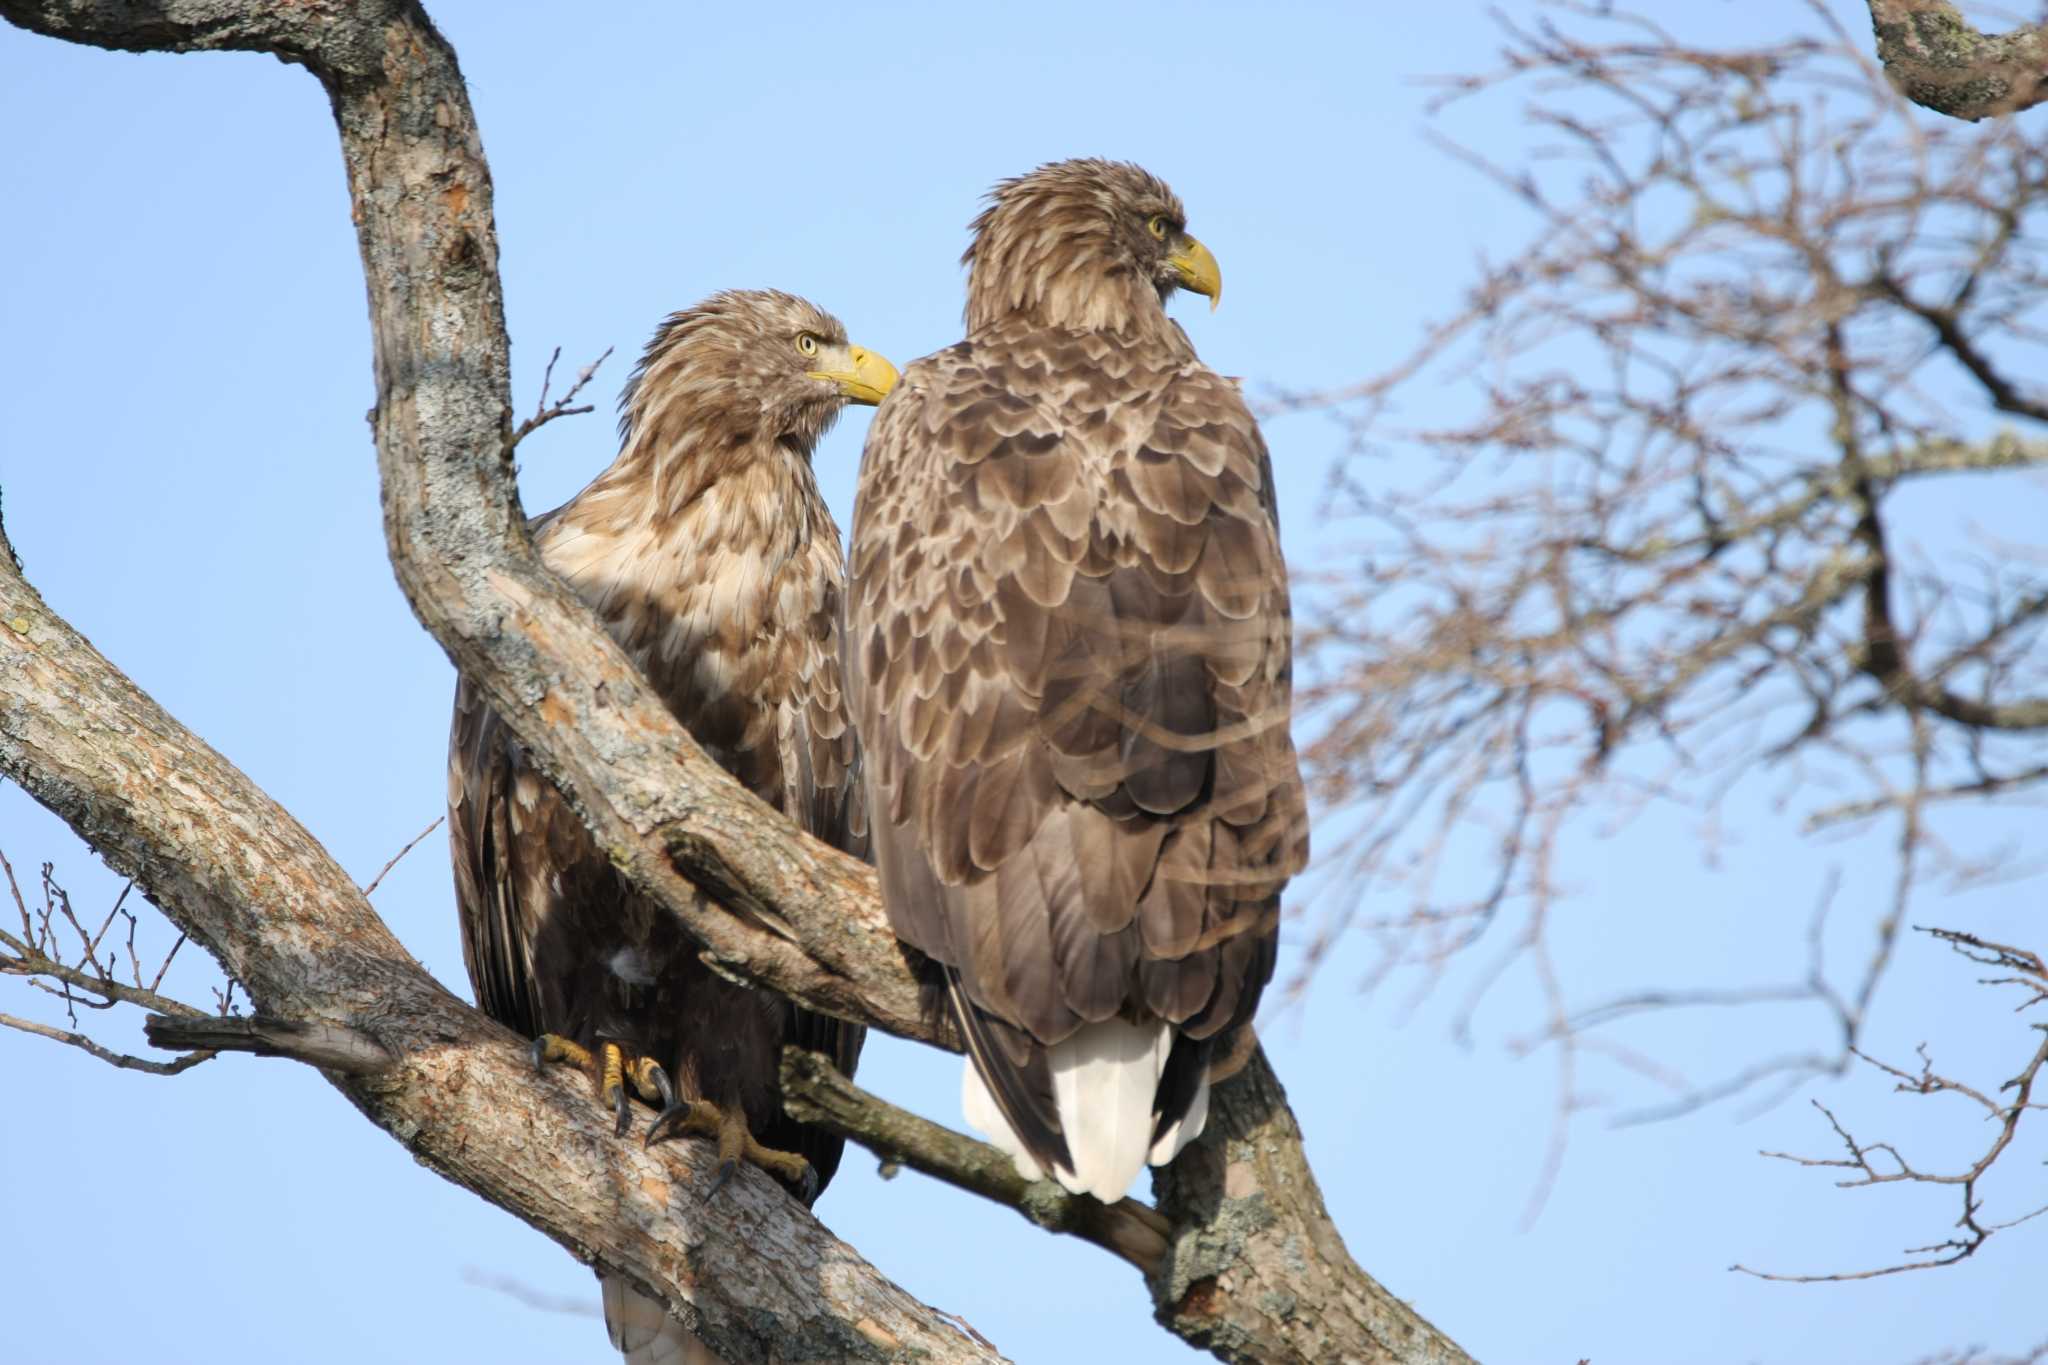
[
  {"x": 611, "y": 1068},
  {"x": 728, "y": 1128}
]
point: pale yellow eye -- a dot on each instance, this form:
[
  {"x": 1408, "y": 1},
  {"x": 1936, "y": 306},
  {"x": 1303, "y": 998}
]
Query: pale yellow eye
[
  {"x": 1156, "y": 225},
  {"x": 807, "y": 343}
]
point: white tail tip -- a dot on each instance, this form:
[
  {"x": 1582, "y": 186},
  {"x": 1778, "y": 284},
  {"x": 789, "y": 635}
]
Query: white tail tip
[{"x": 1105, "y": 1081}]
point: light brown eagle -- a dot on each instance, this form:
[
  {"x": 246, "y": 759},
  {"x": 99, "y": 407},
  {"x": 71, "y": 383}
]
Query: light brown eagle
[
  {"x": 708, "y": 554},
  {"x": 1068, "y": 640}
]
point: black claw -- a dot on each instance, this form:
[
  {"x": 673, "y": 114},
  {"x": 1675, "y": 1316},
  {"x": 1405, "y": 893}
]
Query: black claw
[
  {"x": 662, "y": 1086},
  {"x": 724, "y": 1173},
  {"x": 624, "y": 1106},
  {"x": 810, "y": 1184},
  {"x": 666, "y": 1122},
  {"x": 539, "y": 1053}
]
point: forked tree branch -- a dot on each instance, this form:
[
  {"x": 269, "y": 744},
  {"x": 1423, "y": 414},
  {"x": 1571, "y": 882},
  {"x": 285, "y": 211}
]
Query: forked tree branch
[{"x": 1253, "y": 1269}]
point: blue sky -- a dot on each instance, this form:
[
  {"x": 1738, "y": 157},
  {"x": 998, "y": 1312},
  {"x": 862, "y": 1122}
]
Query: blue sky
[{"x": 188, "y": 477}]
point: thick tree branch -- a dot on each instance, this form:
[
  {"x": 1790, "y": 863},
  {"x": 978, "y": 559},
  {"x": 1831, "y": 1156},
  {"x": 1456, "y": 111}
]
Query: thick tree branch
[
  {"x": 1244, "y": 1263},
  {"x": 752, "y": 1270},
  {"x": 1254, "y": 1269},
  {"x": 1934, "y": 58}
]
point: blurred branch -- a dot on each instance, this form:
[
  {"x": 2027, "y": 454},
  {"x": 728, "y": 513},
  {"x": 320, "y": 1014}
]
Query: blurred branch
[
  {"x": 527, "y": 1296},
  {"x": 2002, "y": 785},
  {"x": 1660, "y": 533},
  {"x": 1977, "y": 1355}
]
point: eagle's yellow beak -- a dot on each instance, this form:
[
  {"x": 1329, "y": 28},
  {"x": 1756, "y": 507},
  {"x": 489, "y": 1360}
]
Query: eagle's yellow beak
[
  {"x": 867, "y": 377},
  {"x": 1198, "y": 271}
]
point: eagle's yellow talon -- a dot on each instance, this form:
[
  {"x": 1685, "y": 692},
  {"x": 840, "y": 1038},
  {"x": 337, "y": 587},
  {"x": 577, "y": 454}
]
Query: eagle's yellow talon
[
  {"x": 551, "y": 1047},
  {"x": 612, "y": 1068},
  {"x": 728, "y": 1128}
]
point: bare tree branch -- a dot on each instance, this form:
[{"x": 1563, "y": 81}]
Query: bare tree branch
[
  {"x": 1664, "y": 540},
  {"x": 544, "y": 412},
  {"x": 329, "y": 1046},
  {"x": 107, "y": 1055},
  {"x": 1881, "y": 1163},
  {"x": 371, "y": 886},
  {"x": 36, "y": 954},
  {"x": 815, "y": 1093}
]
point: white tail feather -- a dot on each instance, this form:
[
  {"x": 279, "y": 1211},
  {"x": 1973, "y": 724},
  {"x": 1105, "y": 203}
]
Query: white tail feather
[
  {"x": 643, "y": 1331},
  {"x": 1104, "y": 1079},
  {"x": 982, "y": 1114}
]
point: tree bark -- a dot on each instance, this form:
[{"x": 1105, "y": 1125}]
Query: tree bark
[
  {"x": 1934, "y": 58},
  {"x": 1254, "y": 1269},
  {"x": 751, "y": 1270}
]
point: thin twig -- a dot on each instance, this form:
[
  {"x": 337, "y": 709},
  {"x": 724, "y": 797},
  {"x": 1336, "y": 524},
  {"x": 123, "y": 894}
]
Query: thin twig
[
  {"x": 543, "y": 413},
  {"x": 815, "y": 1093},
  {"x": 385, "y": 870},
  {"x": 107, "y": 1055}
]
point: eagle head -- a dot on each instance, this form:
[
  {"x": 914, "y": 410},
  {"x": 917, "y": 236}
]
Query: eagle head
[
  {"x": 751, "y": 364},
  {"x": 1084, "y": 244}
]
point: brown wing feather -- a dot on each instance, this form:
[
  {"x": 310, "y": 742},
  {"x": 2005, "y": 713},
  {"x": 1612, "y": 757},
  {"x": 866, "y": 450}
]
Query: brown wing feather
[
  {"x": 1070, "y": 636},
  {"x": 824, "y": 794},
  {"x": 497, "y": 924},
  {"x": 546, "y": 915}
]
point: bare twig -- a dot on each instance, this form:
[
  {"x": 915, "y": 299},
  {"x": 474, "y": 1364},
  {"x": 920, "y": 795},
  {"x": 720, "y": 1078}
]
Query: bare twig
[
  {"x": 107, "y": 1055},
  {"x": 543, "y": 412},
  {"x": 385, "y": 870},
  {"x": 32, "y": 955},
  {"x": 813, "y": 1092},
  {"x": 2003, "y": 784}
]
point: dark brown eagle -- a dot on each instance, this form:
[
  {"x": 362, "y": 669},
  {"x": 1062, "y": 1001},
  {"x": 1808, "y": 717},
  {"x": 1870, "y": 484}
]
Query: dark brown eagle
[
  {"x": 708, "y": 554},
  {"x": 1069, "y": 642}
]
